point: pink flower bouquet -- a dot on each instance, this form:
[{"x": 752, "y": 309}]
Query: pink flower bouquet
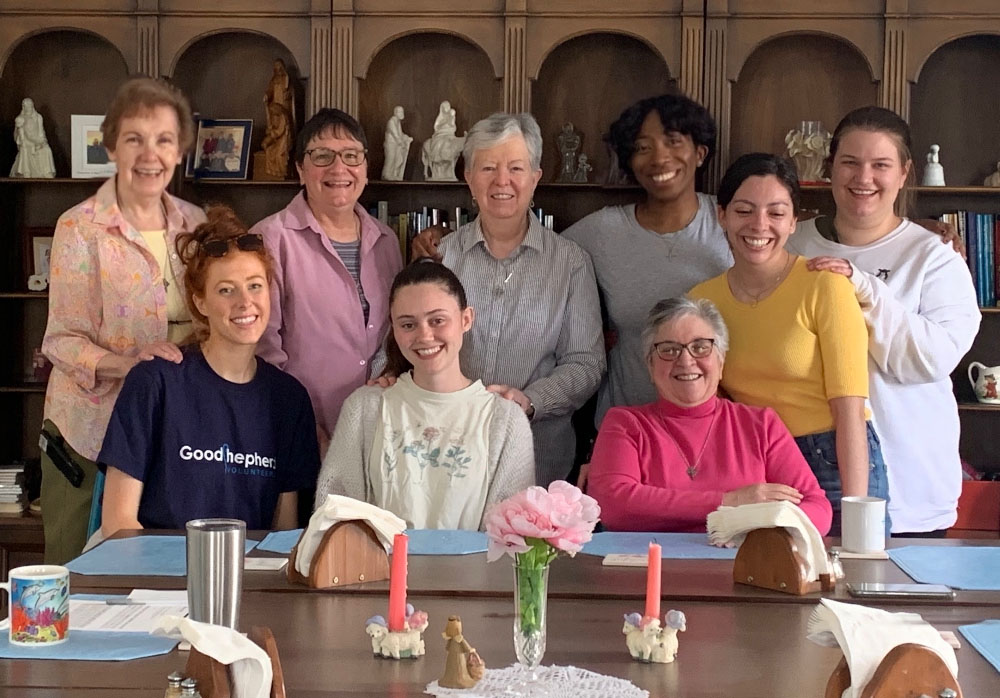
[
  {"x": 536, "y": 524},
  {"x": 533, "y": 526}
]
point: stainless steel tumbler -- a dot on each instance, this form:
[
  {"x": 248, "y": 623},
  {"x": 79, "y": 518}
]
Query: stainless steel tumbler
[{"x": 215, "y": 550}]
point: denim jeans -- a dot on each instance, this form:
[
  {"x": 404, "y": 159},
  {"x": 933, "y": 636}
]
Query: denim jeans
[{"x": 820, "y": 451}]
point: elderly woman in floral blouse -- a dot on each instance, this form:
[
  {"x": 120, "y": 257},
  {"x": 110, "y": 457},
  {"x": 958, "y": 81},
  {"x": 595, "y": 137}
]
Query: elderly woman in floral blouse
[{"x": 116, "y": 295}]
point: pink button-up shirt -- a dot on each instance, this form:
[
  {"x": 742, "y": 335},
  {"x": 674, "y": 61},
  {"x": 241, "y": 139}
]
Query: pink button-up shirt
[
  {"x": 106, "y": 296},
  {"x": 317, "y": 330}
]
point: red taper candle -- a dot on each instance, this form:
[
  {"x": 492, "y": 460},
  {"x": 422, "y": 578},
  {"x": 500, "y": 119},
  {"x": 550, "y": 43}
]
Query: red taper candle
[
  {"x": 397, "y": 584},
  {"x": 653, "y": 581}
]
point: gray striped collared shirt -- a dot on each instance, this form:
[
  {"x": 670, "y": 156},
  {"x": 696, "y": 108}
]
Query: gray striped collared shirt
[{"x": 537, "y": 328}]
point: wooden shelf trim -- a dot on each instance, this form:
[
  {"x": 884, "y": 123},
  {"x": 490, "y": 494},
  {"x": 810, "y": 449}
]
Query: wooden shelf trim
[
  {"x": 977, "y": 407},
  {"x": 23, "y": 388},
  {"x": 25, "y": 295}
]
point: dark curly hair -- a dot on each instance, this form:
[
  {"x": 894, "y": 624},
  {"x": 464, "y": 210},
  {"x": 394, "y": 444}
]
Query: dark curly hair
[
  {"x": 423, "y": 271},
  {"x": 677, "y": 113},
  {"x": 760, "y": 165},
  {"x": 222, "y": 224}
]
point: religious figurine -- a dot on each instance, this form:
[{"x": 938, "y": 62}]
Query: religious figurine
[
  {"x": 809, "y": 147},
  {"x": 403, "y": 644},
  {"x": 933, "y": 172},
  {"x": 583, "y": 169},
  {"x": 569, "y": 143},
  {"x": 34, "y": 156},
  {"x": 271, "y": 162},
  {"x": 396, "y": 146},
  {"x": 648, "y": 642},
  {"x": 440, "y": 152},
  {"x": 994, "y": 179},
  {"x": 463, "y": 667}
]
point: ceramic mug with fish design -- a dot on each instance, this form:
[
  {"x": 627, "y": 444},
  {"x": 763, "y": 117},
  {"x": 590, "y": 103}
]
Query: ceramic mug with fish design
[{"x": 39, "y": 605}]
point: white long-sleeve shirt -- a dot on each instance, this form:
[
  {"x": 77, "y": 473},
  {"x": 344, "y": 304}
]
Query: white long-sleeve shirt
[{"x": 920, "y": 306}]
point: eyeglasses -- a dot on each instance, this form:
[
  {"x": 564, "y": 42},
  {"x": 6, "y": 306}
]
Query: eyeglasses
[
  {"x": 219, "y": 247},
  {"x": 321, "y": 157},
  {"x": 697, "y": 348}
]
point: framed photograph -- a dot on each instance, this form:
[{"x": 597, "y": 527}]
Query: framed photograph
[
  {"x": 41, "y": 248},
  {"x": 221, "y": 150},
  {"x": 90, "y": 158}
]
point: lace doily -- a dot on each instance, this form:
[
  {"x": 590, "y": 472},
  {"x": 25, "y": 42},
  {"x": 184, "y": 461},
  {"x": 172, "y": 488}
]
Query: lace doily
[{"x": 551, "y": 681}]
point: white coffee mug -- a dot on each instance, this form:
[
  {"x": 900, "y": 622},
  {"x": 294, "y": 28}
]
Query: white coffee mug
[
  {"x": 862, "y": 523},
  {"x": 39, "y": 605}
]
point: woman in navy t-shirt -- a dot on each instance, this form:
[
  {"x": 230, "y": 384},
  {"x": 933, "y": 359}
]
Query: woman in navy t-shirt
[{"x": 223, "y": 433}]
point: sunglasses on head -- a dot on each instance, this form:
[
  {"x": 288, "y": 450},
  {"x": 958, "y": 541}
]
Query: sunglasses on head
[{"x": 219, "y": 247}]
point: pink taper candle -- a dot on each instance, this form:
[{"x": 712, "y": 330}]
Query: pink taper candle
[
  {"x": 653, "y": 581},
  {"x": 397, "y": 584}
]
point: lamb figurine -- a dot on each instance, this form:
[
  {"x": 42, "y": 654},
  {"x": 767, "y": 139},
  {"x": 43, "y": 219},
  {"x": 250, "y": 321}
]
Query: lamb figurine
[{"x": 648, "y": 641}]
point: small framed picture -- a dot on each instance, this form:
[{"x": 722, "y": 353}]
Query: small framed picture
[
  {"x": 41, "y": 248},
  {"x": 90, "y": 158},
  {"x": 221, "y": 150}
]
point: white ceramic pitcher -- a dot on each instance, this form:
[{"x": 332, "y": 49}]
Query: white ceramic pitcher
[{"x": 987, "y": 384}]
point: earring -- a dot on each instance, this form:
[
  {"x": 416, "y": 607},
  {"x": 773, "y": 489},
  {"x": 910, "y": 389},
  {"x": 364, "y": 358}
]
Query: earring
[{"x": 531, "y": 204}]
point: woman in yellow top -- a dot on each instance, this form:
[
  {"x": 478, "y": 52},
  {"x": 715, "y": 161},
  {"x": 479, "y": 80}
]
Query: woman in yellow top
[{"x": 799, "y": 342}]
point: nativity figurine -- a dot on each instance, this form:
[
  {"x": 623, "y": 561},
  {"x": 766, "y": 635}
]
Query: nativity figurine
[
  {"x": 34, "y": 156},
  {"x": 396, "y": 147}
]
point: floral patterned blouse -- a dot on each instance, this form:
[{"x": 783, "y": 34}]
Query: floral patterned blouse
[{"x": 106, "y": 295}]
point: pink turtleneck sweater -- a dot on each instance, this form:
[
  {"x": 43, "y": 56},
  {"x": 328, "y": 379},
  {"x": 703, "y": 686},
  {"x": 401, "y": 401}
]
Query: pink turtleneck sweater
[{"x": 642, "y": 481}]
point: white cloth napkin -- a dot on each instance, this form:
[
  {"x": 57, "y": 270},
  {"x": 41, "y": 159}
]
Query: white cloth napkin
[
  {"x": 249, "y": 665},
  {"x": 866, "y": 635},
  {"x": 338, "y": 508},
  {"x": 729, "y": 526}
]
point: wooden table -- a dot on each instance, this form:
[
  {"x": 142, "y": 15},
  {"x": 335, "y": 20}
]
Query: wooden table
[
  {"x": 730, "y": 649},
  {"x": 583, "y": 577}
]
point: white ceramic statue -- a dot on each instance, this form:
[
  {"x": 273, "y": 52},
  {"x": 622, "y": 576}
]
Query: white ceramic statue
[
  {"x": 396, "y": 147},
  {"x": 809, "y": 147},
  {"x": 933, "y": 172},
  {"x": 994, "y": 179},
  {"x": 34, "y": 156},
  {"x": 583, "y": 169},
  {"x": 440, "y": 152},
  {"x": 647, "y": 641},
  {"x": 406, "y": 643}
]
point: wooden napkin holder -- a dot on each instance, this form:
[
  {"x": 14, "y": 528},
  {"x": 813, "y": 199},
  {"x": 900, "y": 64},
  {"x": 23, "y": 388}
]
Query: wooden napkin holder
[
  {"x": 213, "y": 676},
  {"x": 907, "y": 671},
  {"x": 350, "y": 553},
  {"x": 770, "y": 559}
]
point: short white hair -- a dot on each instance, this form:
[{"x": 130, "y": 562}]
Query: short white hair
[
  {"x": 670, "y": 309},
  {"x": 497, "y": 128}
]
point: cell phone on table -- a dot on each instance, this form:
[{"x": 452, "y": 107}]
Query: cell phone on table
[{"x": 875, "y": 590}]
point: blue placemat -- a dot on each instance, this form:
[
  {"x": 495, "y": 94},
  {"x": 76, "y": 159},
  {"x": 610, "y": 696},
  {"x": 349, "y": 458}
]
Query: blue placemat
[
  {"x": 985, "y": 637},
  {"x": 92, "y": 646},
  {"x": 427, "y": 542},
  {"x": 961, "y": 567},
  {"x": 679, "y": 546},
  {"x": 422, "y": 542},
  {"x": 143, "y": 555},
  {"x": 280, "y": 541}
]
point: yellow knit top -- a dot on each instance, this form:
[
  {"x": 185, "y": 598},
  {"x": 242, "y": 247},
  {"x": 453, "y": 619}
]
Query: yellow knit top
[{"x": 796, "y": 349}]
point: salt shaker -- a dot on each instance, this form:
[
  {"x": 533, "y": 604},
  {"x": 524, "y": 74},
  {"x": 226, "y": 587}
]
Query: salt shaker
[
  {"x": 189, "y": 689},
  {"x": 836, "y": 566},
  {"x": 173, "y": 686}
]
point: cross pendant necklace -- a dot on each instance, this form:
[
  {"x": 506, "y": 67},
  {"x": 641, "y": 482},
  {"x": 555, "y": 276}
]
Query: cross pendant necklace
[{"x": 692, "y": 468}]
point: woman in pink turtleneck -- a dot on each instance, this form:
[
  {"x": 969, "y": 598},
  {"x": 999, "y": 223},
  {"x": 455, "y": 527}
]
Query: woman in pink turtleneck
[{"x": 664, "y": 466}]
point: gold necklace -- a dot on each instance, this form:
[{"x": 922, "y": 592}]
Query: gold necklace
[
  {"x": 758, "y": 297},
  {"x": 692, "y": 468}
]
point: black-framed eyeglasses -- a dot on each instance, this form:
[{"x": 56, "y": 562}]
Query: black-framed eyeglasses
[
  {"x": 322, "y": 157},
  {"x": 697, "y": 348},
  {"x": 219, "y": 247}
]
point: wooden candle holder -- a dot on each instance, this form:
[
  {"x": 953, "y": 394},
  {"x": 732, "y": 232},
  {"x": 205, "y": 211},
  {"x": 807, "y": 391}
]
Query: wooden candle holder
[
  {"x": 907, "y": 671},
  {"x": 213, "y": 676},
  {"x": 350, "y": 553},
  {"x": 770, "y": 559}
]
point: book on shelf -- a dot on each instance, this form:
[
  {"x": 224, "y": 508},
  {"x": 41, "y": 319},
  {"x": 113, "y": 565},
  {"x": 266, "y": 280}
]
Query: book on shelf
[
  {"x": 409, "y": 223},
  {"x": 981, "y": 234}
]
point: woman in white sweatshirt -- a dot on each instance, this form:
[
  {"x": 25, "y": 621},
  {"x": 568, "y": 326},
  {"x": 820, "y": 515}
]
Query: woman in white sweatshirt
[
  {"x": 920, "y": 307},
  {"x": 436, "y": 448}
]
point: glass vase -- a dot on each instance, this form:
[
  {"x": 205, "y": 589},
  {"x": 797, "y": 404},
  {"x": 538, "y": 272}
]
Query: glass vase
[{"x": 531, "y": 592}]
